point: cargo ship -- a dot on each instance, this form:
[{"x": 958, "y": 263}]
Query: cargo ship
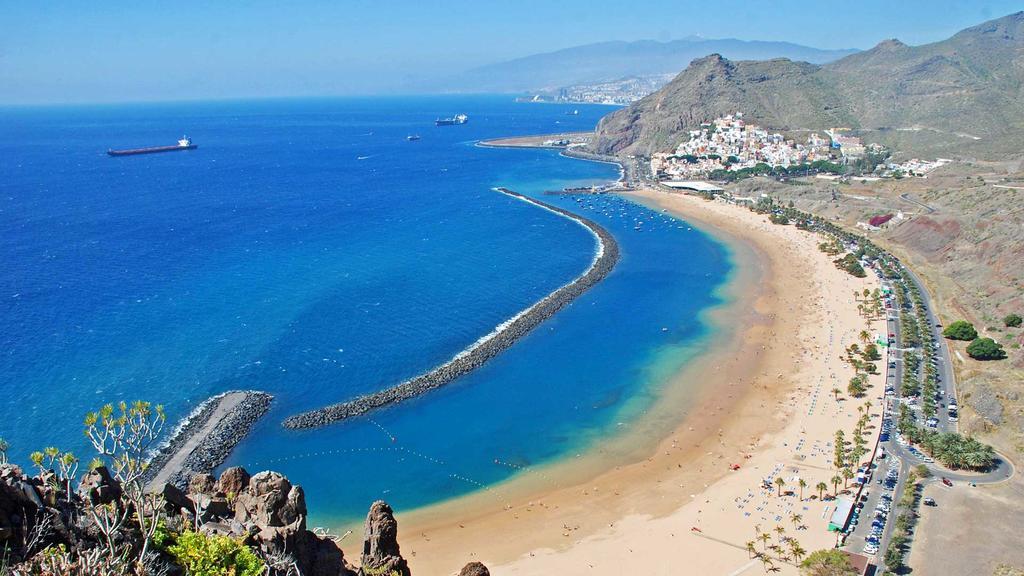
[
  {"x": 184, "y": 144},
  {"x": 453, "y": 121}
]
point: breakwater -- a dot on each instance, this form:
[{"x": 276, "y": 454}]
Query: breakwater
[
  {"x": 502, "y": 337},
  {"x": 205, "y": 438}
]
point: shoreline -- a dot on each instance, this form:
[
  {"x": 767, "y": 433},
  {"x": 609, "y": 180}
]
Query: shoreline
[
  {"x": 499, "y": 339},
  {"x": 579, "y": 510}
]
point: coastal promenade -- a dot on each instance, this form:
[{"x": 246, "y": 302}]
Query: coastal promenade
[
  {"x": 502, "y": 337},
  {"x": 206, "y": 437}
]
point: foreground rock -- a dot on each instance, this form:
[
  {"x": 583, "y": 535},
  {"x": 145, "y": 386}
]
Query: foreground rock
[
  {"x": 265, "y": 511},
  {"x": 381, "y": 554}
]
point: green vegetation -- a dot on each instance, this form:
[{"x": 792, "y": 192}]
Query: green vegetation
[
  {"x": 762, "y": 169},
  {"x": 202, "y": 555},
  {"x": 1013, "y": 320},
  {"x": 986, "y": 349},
  {"x": 856, "y": 386},
  {"x": 829, "y": 562},
  {"x": 953, "y": 450},
  {"x": 960, "y": 330},
  {"x": 851, "y": 265}
]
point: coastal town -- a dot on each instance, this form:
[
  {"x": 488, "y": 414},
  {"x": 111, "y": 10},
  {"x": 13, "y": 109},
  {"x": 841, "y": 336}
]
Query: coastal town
[
  {"x": 619, "y": 92},
  {"x": 730, "y": 146}
]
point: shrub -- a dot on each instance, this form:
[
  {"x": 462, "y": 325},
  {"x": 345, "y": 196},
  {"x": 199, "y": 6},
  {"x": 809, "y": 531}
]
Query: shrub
[
  {"x": 828, "y": 562},
  {"x": 1013, "y": 320},
  {"x": 986, "y": 349},
  {"x": 202, "y": 555},
  {"x": 960, "y": 330}
]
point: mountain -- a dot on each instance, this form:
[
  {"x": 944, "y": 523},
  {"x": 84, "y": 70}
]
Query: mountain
[
  {"x": 606, "y": 61},
  {"x": 961, "y": 95}
]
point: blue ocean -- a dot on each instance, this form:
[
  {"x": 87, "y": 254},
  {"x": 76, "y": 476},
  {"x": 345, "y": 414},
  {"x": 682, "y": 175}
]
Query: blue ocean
[{"x": 308, "y": 249}]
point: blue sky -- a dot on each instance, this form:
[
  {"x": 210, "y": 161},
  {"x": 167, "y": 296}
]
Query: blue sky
[{"x": 181, "y": 49}]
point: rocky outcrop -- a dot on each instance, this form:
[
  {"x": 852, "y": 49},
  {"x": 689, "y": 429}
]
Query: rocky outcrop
[
  {"x": 232, "y": 481},
  {"x": 99, "y": 487},
  {"x": 381, "y": 554},
  {"x": 266, "y": 511},
  {"x": 18, "y": 507},
  {"x": 488, "y": 347}
]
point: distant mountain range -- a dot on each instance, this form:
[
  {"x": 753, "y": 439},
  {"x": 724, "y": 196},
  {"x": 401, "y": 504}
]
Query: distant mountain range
[
  {"x": 962, "y": 95},
  {"x": 607, "y": 61}
]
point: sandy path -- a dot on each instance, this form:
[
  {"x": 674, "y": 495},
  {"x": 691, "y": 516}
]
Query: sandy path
[{"x": 768, "y": 409}]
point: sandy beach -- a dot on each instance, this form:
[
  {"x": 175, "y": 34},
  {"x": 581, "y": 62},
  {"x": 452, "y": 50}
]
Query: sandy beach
[{"x": 691, "y": 504}]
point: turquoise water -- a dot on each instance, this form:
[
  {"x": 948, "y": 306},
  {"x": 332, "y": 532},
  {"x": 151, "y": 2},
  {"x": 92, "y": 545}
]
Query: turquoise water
[{"x": 309, "y": 250}]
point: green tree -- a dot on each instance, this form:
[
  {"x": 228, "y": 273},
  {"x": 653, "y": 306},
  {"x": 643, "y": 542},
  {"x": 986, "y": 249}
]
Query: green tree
[
  {"x": 960, "y": 330},
  {"x": 893, "y": 558},
  {"x": 1013, "y": 320},
  {"x": 986, "y": 349},
  {"x": 829, "y": 562}
]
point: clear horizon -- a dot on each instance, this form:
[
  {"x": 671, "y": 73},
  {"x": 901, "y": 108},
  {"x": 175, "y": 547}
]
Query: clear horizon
[{"x": 70, "y": 53}]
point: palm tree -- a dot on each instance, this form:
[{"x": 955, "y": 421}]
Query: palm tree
[
  {"x": 764, "y": 537},
  {"x": 751, "y": 549},
  {"x": 780, "y": 530},
  {"x": 835, "y": 484},
  {"x": 802, "y": 484},
  {"x": 865, "y": 337},
  {"x": 780, "y": 483},
  {"x": 847, "y": 476},
  {"x": 796, "y": 550},
  {"x": 836, "y": 392},
  {"x": 821, "y": 488},
  {"x": 796, "y": 519}
]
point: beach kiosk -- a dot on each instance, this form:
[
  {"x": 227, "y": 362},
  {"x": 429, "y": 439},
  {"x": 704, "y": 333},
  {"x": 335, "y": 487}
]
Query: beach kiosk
[{"x": 841, "y": 515}]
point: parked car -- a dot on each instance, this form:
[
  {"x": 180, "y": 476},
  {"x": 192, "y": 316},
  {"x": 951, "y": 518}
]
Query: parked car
[
  {"x": 947, "y": 481},
  {"x": 929, "y": 502}
]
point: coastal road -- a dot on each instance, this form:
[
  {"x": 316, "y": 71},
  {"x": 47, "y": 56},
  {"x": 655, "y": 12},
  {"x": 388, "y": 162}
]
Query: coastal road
[
  {"x": 899, "y": 457},
  {"x": 944, "y": 367}
]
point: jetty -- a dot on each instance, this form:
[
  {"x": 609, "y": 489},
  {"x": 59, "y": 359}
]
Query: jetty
[
  {"x": 502, "y": 337},
  {"x": 206, "y": 437}
]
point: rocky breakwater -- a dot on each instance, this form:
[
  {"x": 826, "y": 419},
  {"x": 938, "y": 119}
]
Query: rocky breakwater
[
  {"x": 501, "y": 338},
  {"x": 206, "y": 437}
]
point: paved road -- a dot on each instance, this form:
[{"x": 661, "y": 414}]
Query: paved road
[{"x": 899, "y": 457}]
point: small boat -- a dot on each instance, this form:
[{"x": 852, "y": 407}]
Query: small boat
[
  {"x": 453, "y": 121},
  {"x": 412, "y": 137},
  {"x": 573, "y": 113}
]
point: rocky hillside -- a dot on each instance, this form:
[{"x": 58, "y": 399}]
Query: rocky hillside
[
  {"x": 236, "y": 524},
  {"x": 963, "y": 95}
]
